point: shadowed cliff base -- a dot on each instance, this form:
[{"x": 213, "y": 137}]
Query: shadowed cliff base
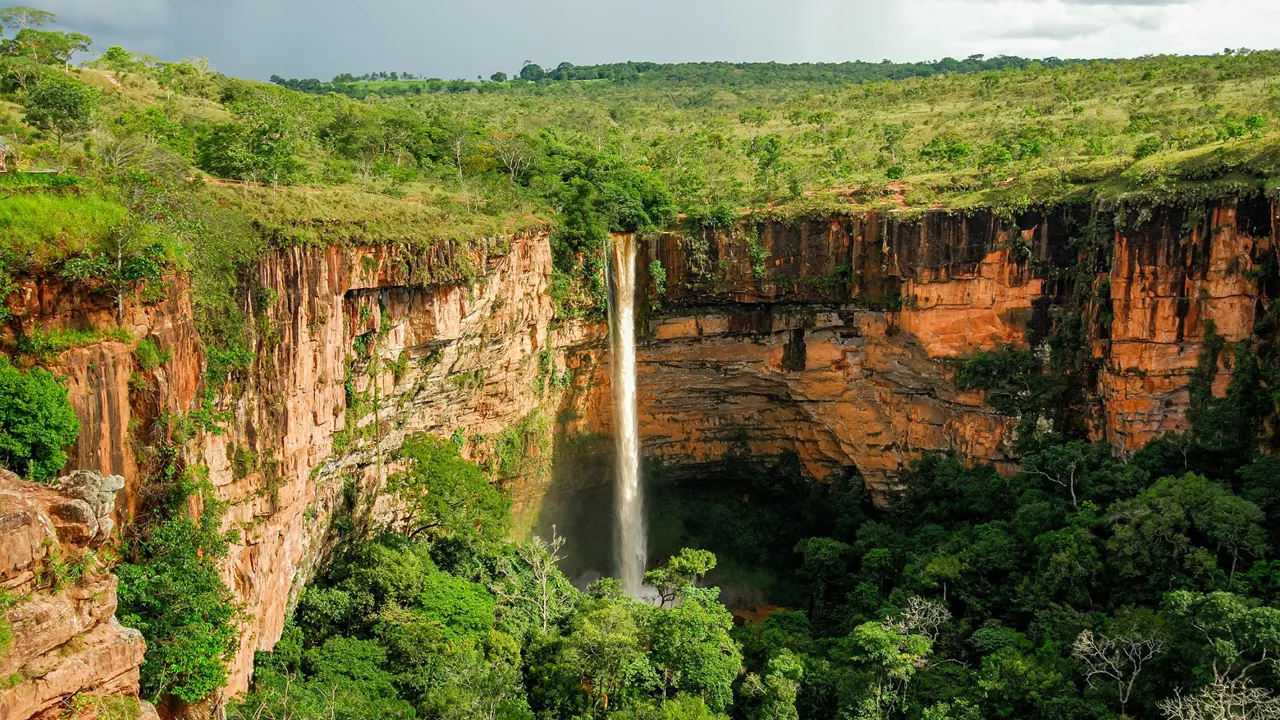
[
  {"x": 578, "y": 505},
  {"x": 751, "y": 511}
]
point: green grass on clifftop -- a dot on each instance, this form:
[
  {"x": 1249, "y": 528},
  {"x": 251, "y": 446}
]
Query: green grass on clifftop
[{"x": 348, "y": 217}]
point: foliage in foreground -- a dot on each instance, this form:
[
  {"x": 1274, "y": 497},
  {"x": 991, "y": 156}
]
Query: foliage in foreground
[
  {"x": 171, "y": 591},
  {"x": 457, "y": 623}
]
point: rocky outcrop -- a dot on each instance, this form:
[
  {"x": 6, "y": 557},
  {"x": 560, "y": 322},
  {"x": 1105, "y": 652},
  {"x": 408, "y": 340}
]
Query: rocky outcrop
[
  {"x": 1169, "y": 278},
  {"x": 66, "y": 648}
]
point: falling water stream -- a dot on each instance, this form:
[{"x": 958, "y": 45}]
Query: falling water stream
[{"x": 630, "y": 545}]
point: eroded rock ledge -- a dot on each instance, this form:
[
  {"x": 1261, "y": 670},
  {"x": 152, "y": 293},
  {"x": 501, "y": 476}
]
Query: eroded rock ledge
[{"x": 66, "y": 643}]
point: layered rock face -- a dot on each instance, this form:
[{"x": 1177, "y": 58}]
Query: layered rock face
[
  {"x": 833, "y": 340},
  {"x": 65, "y": 649},
  {"x": 1169, "y": 278},
  {"x": 360, "y": 349},
  {"x": 837, "y": 340}
]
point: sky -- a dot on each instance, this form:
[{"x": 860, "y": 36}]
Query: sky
[{"x": 470, "y": 38}]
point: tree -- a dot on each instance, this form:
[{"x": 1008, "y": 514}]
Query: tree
[
  {"x": 778, "y": 689},
  {"x": 116, "y": 57},
  {"x": 826, "y": 572},
  {"x": 532, "y": 72},
  {"x": 1232, "y": 637},
  {"x": 766, "y": 151},
  {"x": 605, "y": 646},
  {"x": 36, "y": 422},
  {"x": 171, "y": 591},
  {"x": 61, "y": 106},
  {"x": 755, "y": 118},
  {"x": 132, "y": 253},
  {"x": 1119, "y": 657},
  {"x": 1069, "y": 562},
  {"x": 923, "y": 617},
  {"x": 1224, "y": 699},
  {"x": 541, "y": 585},
  {"x": 514, "y": 153},
  {"x": 459, "y": 137},
  {"x": 474, "y": 685},
  {"x": 881, "y": 661},
  {"x": 691, "y": 647},
  {"x": 21, "y": 72},
  {"x": 341, "y": 677},
  {"x": 262, "y": 152},
  {"x": 940, "y": 570},
  {"x": 682, "y": 571},
  {"x": 444, "y": 495},
  {"x": 49, "y": 47},
  {"x": 893, "y": 136},
  {"x": 1178, "y": 525},
  {"x": 1061, "y": 465},
  {"x": 25, "y": 18},
  {"x": 462, "y": 610},
  {"x": 498, "y": 77}
]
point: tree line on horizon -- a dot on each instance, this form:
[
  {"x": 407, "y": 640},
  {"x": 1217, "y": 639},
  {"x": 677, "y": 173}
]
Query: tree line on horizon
[{"x": 727, "y": 73}]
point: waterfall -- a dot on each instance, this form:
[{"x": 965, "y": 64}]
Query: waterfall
[{"x": 630, "y": 541}]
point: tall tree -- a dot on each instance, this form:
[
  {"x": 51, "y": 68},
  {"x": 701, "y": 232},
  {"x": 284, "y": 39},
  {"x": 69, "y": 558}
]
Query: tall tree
[{"x": 26, "y": 18}]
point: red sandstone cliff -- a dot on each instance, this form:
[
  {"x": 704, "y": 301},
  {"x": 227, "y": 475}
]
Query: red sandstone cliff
[{"x": 837, "y": 349}]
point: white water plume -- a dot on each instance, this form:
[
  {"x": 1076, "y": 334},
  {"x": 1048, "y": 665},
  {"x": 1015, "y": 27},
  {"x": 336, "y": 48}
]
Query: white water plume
[{"x": 630, "y": 544}]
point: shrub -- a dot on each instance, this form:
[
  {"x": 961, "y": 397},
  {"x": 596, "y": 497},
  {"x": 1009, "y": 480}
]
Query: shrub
[
  {"x": 6, "y": 631},
  {"x": 1150, "y": 145},
  {"x": 445, "y": 495},
  {"x": 36, "y": 422},
  {"x": 659, "y": 275},
  {"x": 150, "y": 356}
]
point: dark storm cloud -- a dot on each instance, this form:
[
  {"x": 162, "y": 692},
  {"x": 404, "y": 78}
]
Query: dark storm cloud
[
  {"x": 466, "y": 38},
  {"x": 321, "y": 38}
]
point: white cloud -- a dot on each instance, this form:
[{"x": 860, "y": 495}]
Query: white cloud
[
  {"x": 1093, "y": 28},
  {"x": 1145, "y": 3}
]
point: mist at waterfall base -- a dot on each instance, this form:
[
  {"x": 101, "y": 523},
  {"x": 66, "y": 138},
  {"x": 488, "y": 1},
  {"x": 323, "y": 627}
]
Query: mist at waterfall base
[{"x": 630, "y": 547}]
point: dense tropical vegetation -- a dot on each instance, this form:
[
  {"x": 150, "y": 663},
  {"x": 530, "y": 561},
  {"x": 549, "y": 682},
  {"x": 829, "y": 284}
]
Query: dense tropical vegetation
[{"x": 1081, "y": 587}]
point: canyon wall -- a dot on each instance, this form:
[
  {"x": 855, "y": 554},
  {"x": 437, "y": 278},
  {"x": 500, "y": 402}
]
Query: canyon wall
[
  {"x": 355, "y": 354},
  {"x": 355, "y": 349},
  {"x": 835, "y": 340}
]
